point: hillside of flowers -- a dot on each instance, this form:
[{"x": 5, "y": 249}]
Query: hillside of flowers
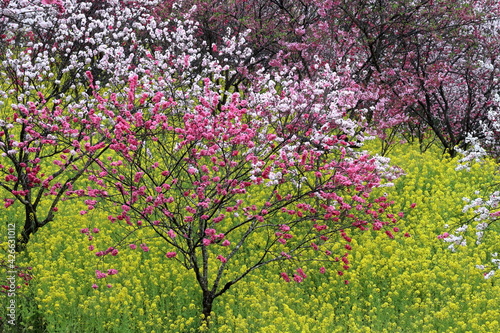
[
  {"x": 249, "y": 166},
  {"x": 402, "y": 284}
]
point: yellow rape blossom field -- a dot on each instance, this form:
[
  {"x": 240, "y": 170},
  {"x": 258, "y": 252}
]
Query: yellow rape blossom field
[{"x": 405, "y": 284}]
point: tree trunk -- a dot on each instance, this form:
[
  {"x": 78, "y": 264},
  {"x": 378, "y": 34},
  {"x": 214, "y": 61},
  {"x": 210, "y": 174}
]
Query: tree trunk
[
  {"x": 208, "y": 301},
  {"x": 30, "y": 227}
]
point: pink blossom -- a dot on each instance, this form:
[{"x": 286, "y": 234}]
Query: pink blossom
[
  {"x": 226, "y": 243},
  {"x": 171, "y": 254},
  {"x": 275, "y": 63},
  {"x": 284, "y": 227},
  {"x": 301, "y": 273},
  {"x": 99, "y": 274},
  {"x": 9, "y": 202},
  {"x": 285, "y": 276},
  {"x": 95, "y": 286},
  {"x": 210, "y": 232},
  {"x": 320, "y": 227},
  {"x": 133, "y": 246},
  {"x": 300, "y": 31},
  {"x": 286, "y": 255},
  {"x": 222, "y": 259},
  {"x": 171, "y": 234},
  {"x": 443, "y": 235}
]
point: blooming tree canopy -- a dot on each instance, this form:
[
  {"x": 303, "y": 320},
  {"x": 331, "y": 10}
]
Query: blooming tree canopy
[{"x": 269, "y": 171}]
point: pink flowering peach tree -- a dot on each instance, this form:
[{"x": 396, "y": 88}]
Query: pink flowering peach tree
[{"x": 266, "y": 172}]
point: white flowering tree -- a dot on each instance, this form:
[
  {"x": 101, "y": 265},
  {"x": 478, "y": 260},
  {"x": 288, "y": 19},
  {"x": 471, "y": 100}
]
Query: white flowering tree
[{"x": 483, "y": 143}]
